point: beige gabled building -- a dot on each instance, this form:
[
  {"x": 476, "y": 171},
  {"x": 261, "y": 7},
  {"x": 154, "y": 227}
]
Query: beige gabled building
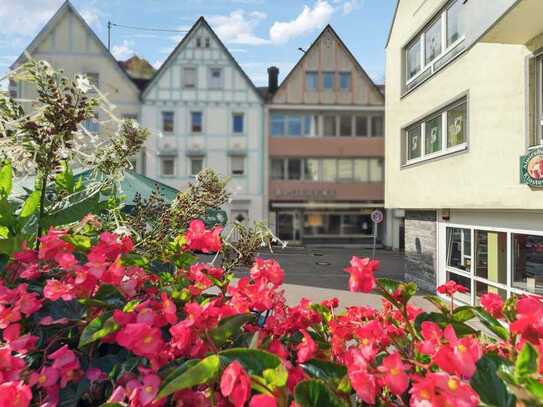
[
  {"x": 463, "y": 142},
  {"x": 325, "y": 142},
  {"x": 68, "y": 43}
]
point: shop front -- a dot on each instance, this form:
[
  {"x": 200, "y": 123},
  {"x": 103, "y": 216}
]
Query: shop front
[{"x": 500, "y": 253}]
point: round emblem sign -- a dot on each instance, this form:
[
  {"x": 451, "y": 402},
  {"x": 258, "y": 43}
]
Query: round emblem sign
[
  {"x": 377, "y": 216},
  {"x": 531, "y": 168}
]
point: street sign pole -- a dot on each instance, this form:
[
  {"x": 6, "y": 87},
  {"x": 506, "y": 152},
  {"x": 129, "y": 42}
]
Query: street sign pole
[
  {"x": 374, "y": 240},
  {"x": 376, "y": 217}
]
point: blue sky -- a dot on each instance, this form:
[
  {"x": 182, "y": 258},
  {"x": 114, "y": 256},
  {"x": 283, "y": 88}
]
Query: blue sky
[{"x": 259, "y": 33}]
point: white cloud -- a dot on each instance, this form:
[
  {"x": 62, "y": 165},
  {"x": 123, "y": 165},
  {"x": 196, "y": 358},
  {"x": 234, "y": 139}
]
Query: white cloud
[
  {"x": 123, "y": 51},
  {"x": 310, "y": 19},
  {"x": 238, "y": 50},
  {"x": 158, "y": 63},
  {"x": 350, "y": 5},
  {"x": 239, "y": 27},
  {"x": 24, "y": 18},
  {"x": 92, "y": 15}
]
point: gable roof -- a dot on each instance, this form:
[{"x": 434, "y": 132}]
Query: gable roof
[
  {"x": 392, "y": 22},
  {"x": 329, "y": 28},
  {"x": 53, "y": 21},
  {"x": 201, "y": 21}
]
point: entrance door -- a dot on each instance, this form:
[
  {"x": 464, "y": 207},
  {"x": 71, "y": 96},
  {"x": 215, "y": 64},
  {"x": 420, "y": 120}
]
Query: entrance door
[{"x": 285, "y": 226}]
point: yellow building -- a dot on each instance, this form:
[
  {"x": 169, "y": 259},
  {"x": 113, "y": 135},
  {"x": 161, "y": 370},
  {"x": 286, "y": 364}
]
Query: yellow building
[{"x": 464, "y": 142}]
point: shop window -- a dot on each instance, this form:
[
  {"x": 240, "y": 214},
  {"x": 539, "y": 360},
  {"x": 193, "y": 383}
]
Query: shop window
[
  {"x": 463, "y": 281},
  {"x": 527, "y": 259},
  {"x": 329, "y": 169},
  {"x": 237, "y": 165},
  {"x": 167, "y": 122},
  {"x": 361, "y": 126},
  {"x": 459, "y": 249},
  {"x": 237, "y": 123},
  {"x": 491, "y": 256},
  {"x": 330, "y": 126},
  {"x": 215, "y": 78},
  {"x": 483, "y": 288},
  {"x": 345, "y": 126},
  {"x": 311, "y": 79},
  {"x": 278, "y": 169},
  {"x": 294, "y": 125},
  {"x": 189, "y": 77},
  {"x": 167, "y": 167},
  {"x": 196, "y": 165},
  {"x": 277, "y": 124},
  {"x": 294, "y": 169},
  {"x": 311, "y": 169},
  {"x": 196, "y": 120}
]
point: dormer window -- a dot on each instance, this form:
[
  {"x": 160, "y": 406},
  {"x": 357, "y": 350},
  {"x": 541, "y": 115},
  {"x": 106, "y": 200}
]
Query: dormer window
[
  {"x": 198, "y": 42},
  {"x": 207, "y": 42}
]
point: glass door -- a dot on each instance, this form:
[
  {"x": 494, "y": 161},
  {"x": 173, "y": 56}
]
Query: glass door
[{"x": 285, "y": 226}]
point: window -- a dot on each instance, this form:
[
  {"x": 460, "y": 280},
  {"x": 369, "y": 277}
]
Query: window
[
  {"x": 130, "y": 116},
  {"x": 317, "y": 224},
  {"x": 345, "y": 126},
  {"x": 527, "y": 262},
  {"x": 294, "y": 169},
  {"x": 311, "y": 80},
  {"x": 189, "y": 77},
  {"x": 237, "y": 123},
  {"x": 330, "y": 126},
  {"x": 345, "y": 81},
  {"x": 196, "y": 122},
  {"x": 361, "y": 126},
  {"x": 196, "y": 165},
  {"x": 277, "y": 124},
  {"x": 237, "y": 165},
  {"x": 167, "y": 122},
  {"x": 328, "y": 80},
  {"x": 215, "y": 78},
  {"x": 278, "y": 169},
  {"x": 442, "y": 133},
  {"x": 376, "y": 169},
  {"x": 94, "y": 80},
  {"x": 491, "y": 256},
  {"x": 329, "y": 170},
  {"x": 432, "y": 41},
  {"x": 345, "y": 169},
  {"x": 459, "y": 248},
  {"x": 433, "y": 135},
  {"x": 207, "y": 42},
  {"x": 435, "y": 45},
  {"x": 167, "y": 167},
  {"x": 377, "y": 126},
  {"x": 311, "y": 169},
  {"x": 198, "y": 42},
  {"x": 361, "y": 170},
  {"x": 92, "y": 125},
  {"x": 294, "y": 125}
]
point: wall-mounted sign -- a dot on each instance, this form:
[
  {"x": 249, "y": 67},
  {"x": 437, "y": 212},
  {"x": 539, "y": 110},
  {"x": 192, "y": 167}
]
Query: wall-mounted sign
[
  {"x": 319, "y": 194},
  {"x": 531, "y": 168}
]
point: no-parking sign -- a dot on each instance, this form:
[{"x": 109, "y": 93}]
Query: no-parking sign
[{"x": 377, "y": 216}]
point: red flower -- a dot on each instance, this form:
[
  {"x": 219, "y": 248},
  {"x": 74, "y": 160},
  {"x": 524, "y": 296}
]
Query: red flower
[
  {"x": 295, "y": 376},
  {"x": 450, "y": 288},
  {"x": 432, "y": 334},
  {"x": 168, "y": 308},
  {"x": 493, "y": 304},
  {"x": 200, "y": 239},
  {"x": 17, "y": 343},
  {"x": 263, "y": 400},
  {"x": 458, "y": 356},
  {"x": 55, "y": 290},
  {"x": 66, "y": 362},
  {"x": 307, "y": 348},
  {"x": 440, "y": 389},
  {"x": 529, "y": 323},
  {"x": 235, "y": 384},
  {"x": 47, "y": 377},
  {"x": 15, "y": 394},
  {"x": 142, "y": 393},
  {"x": 268, "y": 270},
  {"x": 395, "y": 373},
  {"x": 141, "y": 339},
  {"x": 362, "y": 278}
]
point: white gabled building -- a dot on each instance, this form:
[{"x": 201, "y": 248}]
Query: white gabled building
[
  {"x": 68, "y": 43},
  {"x": 203, "y": 111}
]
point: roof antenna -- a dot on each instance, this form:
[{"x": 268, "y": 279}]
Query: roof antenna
[
  {"x": 302, "y": 50},
  {"x": 109, "y": 36}
]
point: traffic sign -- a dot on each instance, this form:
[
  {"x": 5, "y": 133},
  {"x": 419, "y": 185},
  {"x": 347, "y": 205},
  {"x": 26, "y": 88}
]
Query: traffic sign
[{"x": 377, "y": 216}]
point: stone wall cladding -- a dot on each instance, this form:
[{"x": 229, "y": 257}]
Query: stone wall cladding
[{"x": 421, "y": 248}]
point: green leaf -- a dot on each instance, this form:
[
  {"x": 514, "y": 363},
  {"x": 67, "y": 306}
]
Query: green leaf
[
  {"x": 322, "y": 369},
  {"x": 535, "y": 387},
  {"x": 72, "y": 212},
  {"x": 64, "y": 180},
  {"x": 315, "y": 393},
  {"x": 460, "y": 328},
  {"x": 492, "y": 390},
  {"x": 255, "y": 361},
  {"x": 30, "y": 205},
  {"x": 230, "y": 327},
  {"x": 6, "y": 179},
  {"x": 276, "y": 377},
  {"x": 98, "y": 328},
  {"x": 7, "y": 213},
  {"x": 71, "y": 310},
  {"x": 491, "y": 323},
  {"x": 463, "y": 314},
  {"x": 110, "y": 295},
  {"x": 202, "y": 372},
  {"x": 80, "y": 242},
  {"x": 527, "y": 363},
  {"x": 438, "y": 303},
  {"x": 4, "y": 232},
  {"x": 70, "y": 395},
  {"x": 389, "y": 285}
]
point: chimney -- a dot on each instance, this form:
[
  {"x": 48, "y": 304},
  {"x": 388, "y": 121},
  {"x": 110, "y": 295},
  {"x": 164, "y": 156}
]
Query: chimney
[{"x": 273, "y": 79}]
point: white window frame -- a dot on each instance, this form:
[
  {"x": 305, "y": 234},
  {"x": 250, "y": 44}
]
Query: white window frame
[
  {"x": 444, "y": 135},
  {"x": 443, "y": 268},
  {"x": 445, "y": 48},
  {"x": 191, "y": 113},
  {"x": 191, "y": 172},
  {"x": 238, "y": 133},
  {"x": 215, "y": 83},
  {"x": 243, "y": 159},
  {"x": 162, "y": 122},
  {"x": 186, "y": 84},
  {"x": 162, "y": 174}
]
